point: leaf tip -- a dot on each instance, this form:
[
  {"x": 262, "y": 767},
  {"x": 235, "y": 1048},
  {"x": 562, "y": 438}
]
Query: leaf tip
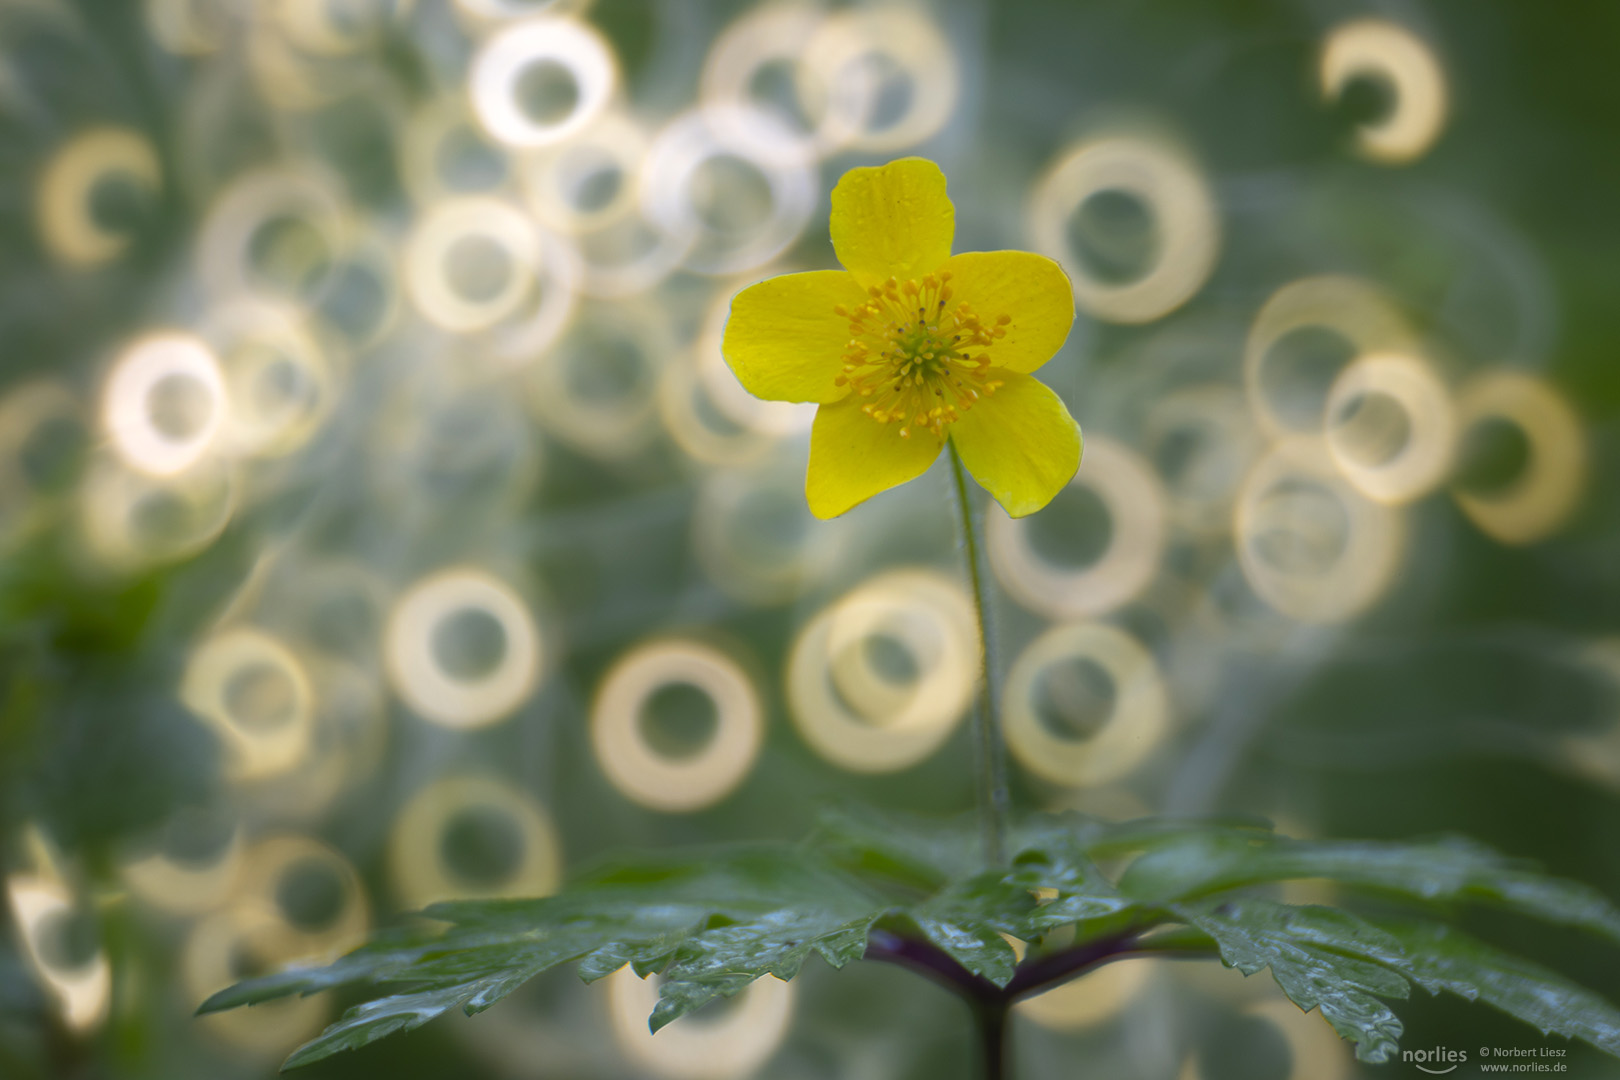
[
  {"x": 219, "y": 1001},
  {"x": 307, "y": 1054}
]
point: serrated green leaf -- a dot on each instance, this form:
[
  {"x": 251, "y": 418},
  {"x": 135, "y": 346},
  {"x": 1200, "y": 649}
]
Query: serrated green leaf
[
  {"x": 441, "y": 983},
  {"x": 1447, "y": 869},
  {"x": 709, "y": 922},
  {"x": 967, "y": 920},
  {"x": 915, "y": 852},
  {"x": 644, "y": 954},
  {"x": 368, "y": 1022},
  {"x": 1051, "y": 856},
  {"x": 847, "y": 943},
  {"x": 1305, "y": 945},
  {"x": 977, "y": 946},
  {"x": 391, "y": 951},
  {"x": 723, "y": 960},
  {"x": 1444, "y": 958},
  {"x": 1315, "y": 954}
]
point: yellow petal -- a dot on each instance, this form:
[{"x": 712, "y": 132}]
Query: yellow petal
[
  {"x": 853, "y": 457},
  {"x": 1031, "y": 289},
  {"x": 783, "y": 339},
  {"x": 1020, "y": 443},
  {"x": 892, "y": 221}
]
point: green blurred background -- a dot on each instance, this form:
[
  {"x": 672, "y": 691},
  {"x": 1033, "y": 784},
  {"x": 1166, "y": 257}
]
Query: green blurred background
[{"x": 362, "y": 423}]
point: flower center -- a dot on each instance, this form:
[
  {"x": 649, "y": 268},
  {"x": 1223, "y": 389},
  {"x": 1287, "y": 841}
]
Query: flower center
[{"x": 911, "y": 353}]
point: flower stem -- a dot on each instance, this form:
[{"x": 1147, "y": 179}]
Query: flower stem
[
  {"x": 988, "y": 753},
  {"x": 991, "y": 1019}
]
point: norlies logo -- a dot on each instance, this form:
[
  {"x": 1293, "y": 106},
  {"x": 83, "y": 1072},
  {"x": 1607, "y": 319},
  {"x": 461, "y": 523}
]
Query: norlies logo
[{"x": 1439, "y": 1055}]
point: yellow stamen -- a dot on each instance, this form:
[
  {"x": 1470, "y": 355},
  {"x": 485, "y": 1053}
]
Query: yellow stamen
[{"x": 908, "y": 347}]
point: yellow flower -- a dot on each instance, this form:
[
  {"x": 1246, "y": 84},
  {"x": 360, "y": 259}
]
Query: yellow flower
[{"x": 911, "y": 345}]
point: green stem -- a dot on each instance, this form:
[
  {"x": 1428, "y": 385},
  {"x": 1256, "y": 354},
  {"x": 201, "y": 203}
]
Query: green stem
[
  {"x": 989, "y": 756},
  {"x": 995, "y": 1048}
]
